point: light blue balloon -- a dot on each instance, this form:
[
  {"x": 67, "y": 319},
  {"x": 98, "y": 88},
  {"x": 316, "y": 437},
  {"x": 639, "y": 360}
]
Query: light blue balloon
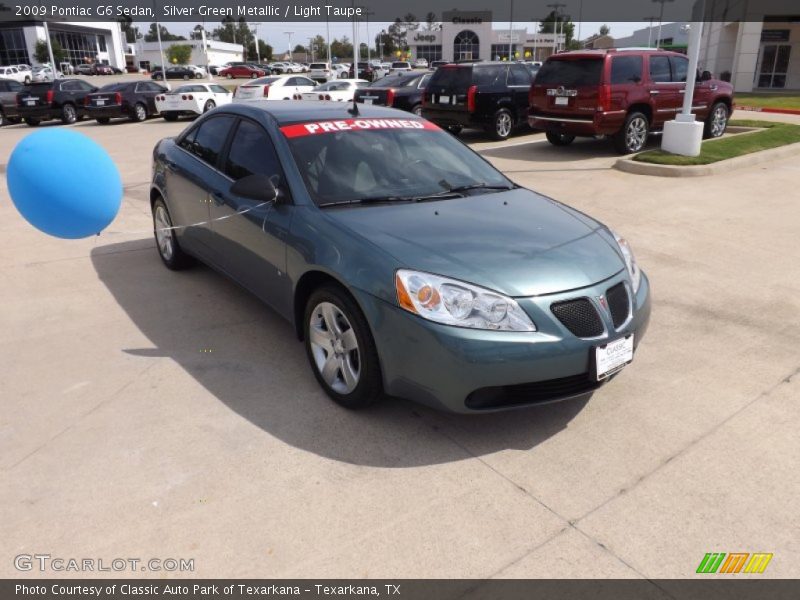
[{"x": 64, "y": 183}]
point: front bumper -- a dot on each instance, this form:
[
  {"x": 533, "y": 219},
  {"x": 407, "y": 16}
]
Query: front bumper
[{"x": 468, "y": 370}]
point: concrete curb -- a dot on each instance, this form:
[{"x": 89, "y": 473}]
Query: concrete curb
[
  {"x": 748, "y": 160},
  {"x": 764, "y": 109}
]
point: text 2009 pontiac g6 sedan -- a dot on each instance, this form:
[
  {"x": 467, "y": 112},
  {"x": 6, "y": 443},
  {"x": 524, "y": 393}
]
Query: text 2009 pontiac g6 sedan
[{"x": 407, "y": 263}]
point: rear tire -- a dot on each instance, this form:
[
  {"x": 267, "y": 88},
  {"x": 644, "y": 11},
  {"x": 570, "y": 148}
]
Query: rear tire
[
  {"x": 139, "y": 113},
  {"x": 69, "y": 114},
  {"x": 633, "y": 135},
  {"x": 502, "y": 125},
  {"x": 186, "y": 78},
  {"x": 340, "y": 348},
  {"x": 559, "y": 139},
  {"x": 253, "y": 76},
  {"x": 454, "y": 129},
  {"x": 103, "y": 120},
  {"x": 717, "y": 121},
  {"x": 32, "y": 122},
  {"x": 229, "y": 76},
  {"x": 167, "y": 245},
  {"x": 3, "y": 120},
  {"x": 417, "y": 109}
]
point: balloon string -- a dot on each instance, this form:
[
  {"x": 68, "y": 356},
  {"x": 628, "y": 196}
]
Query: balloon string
[{"x": 176, "y": 227}]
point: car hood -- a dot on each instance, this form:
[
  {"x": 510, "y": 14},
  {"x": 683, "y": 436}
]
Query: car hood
[{"x": 517, "y": 242}]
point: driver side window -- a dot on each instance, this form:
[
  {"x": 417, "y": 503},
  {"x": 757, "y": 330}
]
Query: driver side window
[{"x": 251, "y": 152}]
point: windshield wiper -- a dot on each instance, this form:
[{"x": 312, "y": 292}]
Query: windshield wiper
[
  {"x": 477, "y": 186},
  {"x": 369, "y": 200}
]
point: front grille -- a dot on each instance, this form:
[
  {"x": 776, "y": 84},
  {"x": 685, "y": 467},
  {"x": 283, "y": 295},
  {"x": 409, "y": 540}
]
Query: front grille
[
  {"x": 532, "y": 393},
  {"x": 579, "y": 316},
  {"x": 618, "y": 304}
]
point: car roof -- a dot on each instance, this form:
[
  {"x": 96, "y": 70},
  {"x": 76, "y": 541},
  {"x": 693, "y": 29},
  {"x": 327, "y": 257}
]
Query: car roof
[
  {"x": 287, "y": 111},
  {"x": 599, "y": 53}
]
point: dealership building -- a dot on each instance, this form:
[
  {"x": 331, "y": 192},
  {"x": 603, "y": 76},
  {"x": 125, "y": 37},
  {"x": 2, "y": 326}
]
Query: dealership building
[
  {"x": 83, "y": 42},
  {"x": 471, "y": 36},
  {"x": 147, "y": 54}
]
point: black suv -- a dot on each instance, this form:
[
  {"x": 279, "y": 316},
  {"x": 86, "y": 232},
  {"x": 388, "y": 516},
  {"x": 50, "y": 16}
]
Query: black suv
[
  {"x": 403, "y": 91},
  {"x": 59, "y": 99},
  {"x": 492, "y": 96}
]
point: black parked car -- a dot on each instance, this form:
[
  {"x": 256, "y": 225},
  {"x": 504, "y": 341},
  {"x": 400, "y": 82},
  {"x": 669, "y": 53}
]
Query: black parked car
[
  {"x": 9, "y": 88},
  {"x": 492, "y": 96},
  {"x": 365, "y": 71},
  {"x": 132, "y": 99},
  {"x": 403, "y": 91},
  {"x": 173, "y": 73},
  {"x": 60, "y": 99}
]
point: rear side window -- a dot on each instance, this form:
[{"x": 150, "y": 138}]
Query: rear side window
[
  {"x": 659, "y": 69},
  {"x": 210, "y": 138},
  {"x": 452, "y": 77},
  {"x": 680, "y": 67},
  {"x": 318, "y": 66},
  {"x": 519, "y": 75},
  {"x": 570, "y": 73},
  {"x": 626, "y": 69},
  {"x": 251, "y": 153}
]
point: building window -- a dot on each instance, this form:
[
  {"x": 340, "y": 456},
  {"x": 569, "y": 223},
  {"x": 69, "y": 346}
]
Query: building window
[
  {"x": 500, "y": 52},
  {"x": 466, "y": 46},
  {"x": 79, "y": 48},
  {"x": 774, "y": 65},
  {"x": 101, "y": 43},
  {"x": 430, "y": 52},
  {"x": 13, "y": 50}
]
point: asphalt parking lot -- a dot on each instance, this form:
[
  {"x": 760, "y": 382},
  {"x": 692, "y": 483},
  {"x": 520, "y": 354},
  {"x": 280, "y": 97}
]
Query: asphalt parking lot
[{"x": 151, "y": 414}]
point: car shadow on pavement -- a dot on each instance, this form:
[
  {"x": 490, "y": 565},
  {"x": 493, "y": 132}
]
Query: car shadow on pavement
[
  {"x": 581, "y": 149},
  {"x": 249, "y": 358}
]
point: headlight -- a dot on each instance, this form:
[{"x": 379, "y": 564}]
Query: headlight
[
  {"x": 454, "y": 302},
  {"x": 630, "y": 261}
]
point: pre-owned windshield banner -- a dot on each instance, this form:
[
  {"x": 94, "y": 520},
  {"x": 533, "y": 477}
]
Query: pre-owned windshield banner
[{"x": 335, "y": 126}]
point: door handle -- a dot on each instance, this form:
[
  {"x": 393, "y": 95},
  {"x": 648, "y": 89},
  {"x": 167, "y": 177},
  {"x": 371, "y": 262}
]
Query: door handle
[
  {"x": 218, "y": 198},
  {"x": 654, "y": 92},
  {"x": 681, "y": 91},
  {"x": 713, "y": 88}
]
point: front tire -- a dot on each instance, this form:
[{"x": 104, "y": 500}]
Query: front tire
[
  {"x": 167, "y": 245},
  {"x": 559, "y": 139},
  {"x": 340, "y": 348},
  {"x": 229, "y": 76},
  {"x": 139, "y": 113},
  {"x": 210, "y": 105},
  {"x": 169, "y": 116},
  {"x": 633, "y": 135},
  {"x": 103, "y": 120},
  {"x": 69, "y": 114},
  {"x": 502, "y": 125},
  {"x": 32, "y": 122},
  {"x": 417, "y": 110},
  {"x": 253, "y": 75},
  {"x": 717, "y": 121}
]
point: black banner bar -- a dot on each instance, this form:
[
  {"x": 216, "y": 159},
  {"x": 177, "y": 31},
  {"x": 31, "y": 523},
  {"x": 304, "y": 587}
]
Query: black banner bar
[{"x": 714, "y": 587}]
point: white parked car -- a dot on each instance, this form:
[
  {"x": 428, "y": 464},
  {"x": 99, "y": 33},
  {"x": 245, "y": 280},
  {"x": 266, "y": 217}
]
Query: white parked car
[
  {"x": 191, "y": 99},
  {"x": 340, "y": 71},
  {"x": 421, "y": 63},
  {"x": 321, "y": 71},
  {"x": 275, "y": 87},
  {"x": 399, "y": 66},
  {"x": 40, "y": 74},
  {"x": 341, "y": 90},
  {"x": 15, "y": 74},
  {"x": 199, "y": 72}
]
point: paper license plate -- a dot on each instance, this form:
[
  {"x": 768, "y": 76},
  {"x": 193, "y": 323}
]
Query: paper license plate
[
  {"x": 613, "y": 356},
  {"x": 30, "y": 102},
  {"x": 444, "y": 99},
  {"x": 101, "y": 103},
  {"x": 367, "y": 100},
  {"x": 562, "y": 101}
]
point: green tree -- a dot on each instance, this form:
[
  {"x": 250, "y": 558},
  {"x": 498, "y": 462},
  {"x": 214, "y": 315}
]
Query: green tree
[
  {"x": 385, "y": 44},
  {"x": 130, "y": 31},
  {"x": 431, "y": 24},
  {"x": 554, "y": 23},
  {"x": 235, "y": 32},
  {"x": 179, "y": 53},
  {"x": 264, "y": 50},
  {"x": 401, "y": 28},
  {"x": 343, "y": 49},
  {"x": 196, "y": 33},
  {"x": 299, "y": 49},
  {"x": 41, "y": 54},
  {"x": 320, "y": 47},
  {"x": 605, "y": 30},
  {"x": 166, "y": 36}
]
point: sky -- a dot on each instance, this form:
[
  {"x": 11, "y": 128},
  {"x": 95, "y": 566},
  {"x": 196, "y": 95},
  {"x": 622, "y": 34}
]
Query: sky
[{"x": 273, "y": 33}]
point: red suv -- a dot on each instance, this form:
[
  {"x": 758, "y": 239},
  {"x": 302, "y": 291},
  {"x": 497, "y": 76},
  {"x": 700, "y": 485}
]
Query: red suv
[{"x": 624, "y": 94}]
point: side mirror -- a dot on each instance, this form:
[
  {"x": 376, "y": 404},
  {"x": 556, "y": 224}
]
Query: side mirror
[{"x": 255, "y": 187}]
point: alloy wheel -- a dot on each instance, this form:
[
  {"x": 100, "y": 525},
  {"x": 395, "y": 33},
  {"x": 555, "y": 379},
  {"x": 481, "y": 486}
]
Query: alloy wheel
[
  {"x": 503, "y": 125},
  {"x": 141, "y": 113},
  {"x": 636, "y": 134},
  {"x": 719, "y": 121},
  {"x": 164, "y": 235},
  {"x": 70, "y": 116},
  {"x": 334, "y": 348}
]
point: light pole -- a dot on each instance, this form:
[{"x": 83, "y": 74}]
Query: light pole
[
  {"x": 367, "y": 13},
  {"x": 511, "y": 31},
  {"x": 328, "y": 28},
  {"x": 160, "y": 47},
  {"x": 50, "y": 49},
  {"x": 355, "y": 43},
  {"x": 290, "y": 33},
  {"x": 661, "y": 19},
  {"x": 650, "y": 30},
  {"x": 258, "y": 49},
  {"x": 556, "y": 6}
]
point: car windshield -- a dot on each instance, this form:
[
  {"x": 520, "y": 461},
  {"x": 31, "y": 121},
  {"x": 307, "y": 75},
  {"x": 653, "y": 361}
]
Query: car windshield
[
  {"x": 318, "y": 66},
  {"x": 114, "y": 87},
  {"x": 263, "y": 81},
  {"x": 393, "y": 81},
  {"x": 372, "y": 160},
  {"x": 333, "y": 86},
  {"x": 570, "y": 72}
]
